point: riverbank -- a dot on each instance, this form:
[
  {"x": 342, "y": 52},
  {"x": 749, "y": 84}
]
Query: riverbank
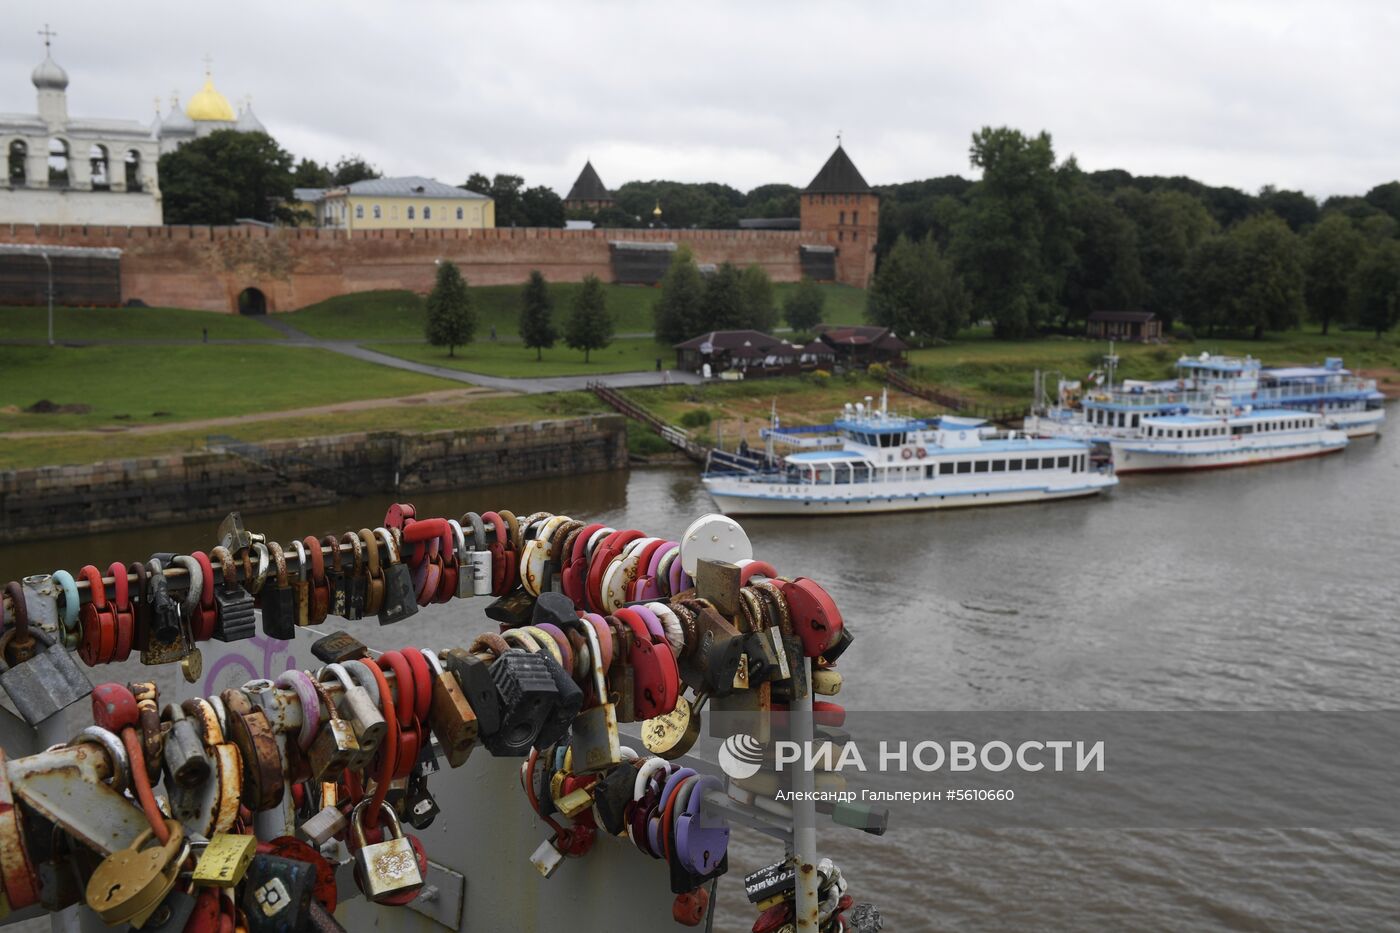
[{"x": 49, "y": 502}]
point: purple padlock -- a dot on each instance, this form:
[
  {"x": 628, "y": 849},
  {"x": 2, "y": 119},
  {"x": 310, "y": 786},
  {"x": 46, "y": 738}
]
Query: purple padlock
[
  {"x": 700, "y": 845},
  {"x": 654, "y": 823},
  {"x": 679, "y": 579},
  {"x": 649, "y": 587},
  {"x": 653, "y": 623}
]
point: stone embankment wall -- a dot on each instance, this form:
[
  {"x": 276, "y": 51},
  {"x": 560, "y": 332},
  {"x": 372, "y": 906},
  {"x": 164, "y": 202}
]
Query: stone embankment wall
[
  {"x": 208, "y": 267},
  {"x": 53, "y": 501}
]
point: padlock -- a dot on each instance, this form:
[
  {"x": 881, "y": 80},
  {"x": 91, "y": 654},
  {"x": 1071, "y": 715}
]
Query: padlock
[
  {"x": 451, "y": 718},
  {"x": 233, "y": 537},
  {"x": 826, "y": 682},
  {"x": 476, "y": 567},
  {"x": 356, "y": 583},
  {"x": 225, "y": 860},
  {"x": 279, "y": 600},
  {"x": 474, "y": 678},
  {"x": 356, "y": 705},
  {"x": 420, "y": 807},
  {"x": 236, "y": 619},
  {"x": 400, "y": 597},
  {"x": 338, "y": 647},
  {"x": 164, "y": 612},
  {"x": 335, "y": 747},
  {"x": 528, "y": 699},
  {"x": 815, "y": 618},
  {"x": 59, "y": 887},
  {"x": 717, "y": 658},
  {"x": 594, "y": 738},
  {"x": 277, "y": 894},
  {"x": 46, "y": 683},
  {"x": 566, "y": 706},
  {"x": 386, "y": 868},
  {"x": 186, "y": 760},
  {"x": 172, "y": 915},
  {"x": 324, "y": 825},
  {"x": 130, "y": 883}
]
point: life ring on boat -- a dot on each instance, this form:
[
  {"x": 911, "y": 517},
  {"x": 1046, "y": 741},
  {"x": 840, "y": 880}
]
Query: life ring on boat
[
  {"x": 906, "y": 453},
  {"x": 921, "y": 453}
]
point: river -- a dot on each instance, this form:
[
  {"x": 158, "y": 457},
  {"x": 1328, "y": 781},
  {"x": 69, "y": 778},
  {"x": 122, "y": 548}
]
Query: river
[{"x": 1265, "y": 588}]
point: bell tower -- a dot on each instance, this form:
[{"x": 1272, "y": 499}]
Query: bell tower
[
  {"x": 51, "y": 81},
  {"x": 841, "y": 206}
]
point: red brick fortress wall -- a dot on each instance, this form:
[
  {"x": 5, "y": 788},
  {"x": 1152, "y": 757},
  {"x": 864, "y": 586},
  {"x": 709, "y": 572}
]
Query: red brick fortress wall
[
  {"x": 207, "y": 267},
  {"x": 849, "y": 222}
]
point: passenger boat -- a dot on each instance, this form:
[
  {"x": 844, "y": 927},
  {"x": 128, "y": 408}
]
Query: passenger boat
[
  {"x": 1167, "y": 443},
  {"x": 1107, "y": 412},
  {"x": 885, "y": 462}
]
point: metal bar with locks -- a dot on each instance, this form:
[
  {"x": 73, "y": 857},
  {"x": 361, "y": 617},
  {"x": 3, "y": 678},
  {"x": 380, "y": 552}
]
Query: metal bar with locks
[{"x": 598, "y": 626}]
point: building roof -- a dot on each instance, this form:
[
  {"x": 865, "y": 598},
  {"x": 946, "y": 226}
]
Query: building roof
[
  {"x": 309, "y": 195},
  {"x": 248, "y": 121},
  {"x": 589, "y": 187},
  {"x": 208, "y": 105},
  {"x": 770, "y": 223},
  {"x": 49, "y": 74},
  {"x": 1123, "y": 317},
  {"x": 854, "y": 335},
  {"x": 409, "y": 186},
  {"x": 729, "y": 340},
  {"x": 838, "y": 176}
]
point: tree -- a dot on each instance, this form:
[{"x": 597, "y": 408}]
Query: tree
[
  {"x": 916, "y": 293},
  {"x": 537, "y": 315},
  {"x": 505, "y": 191},
  {"x": 451, "y": 320},
  {"x": 353, "y": 168},
  {"x": 760, "y": 312},
  {"x": 311, "y": 174},
  {"x": 1375, "y": 288},
  {"x": 227, "y": 176},
  {"x": 590, "y": 325},
  {"x": 541, "y": 207},
  {"x": 1210, "y": 297},
  {"x": 1331, "y": 253},
  {"x": 1297, "y": 209},
  {"x": 723, "y": 307},
  {"x": 1270, "y": 275},
  {"x": 1013, "y": 246},
  {"x": 678, "y": 312},
  {"x": 1169, "y": 226},
  {"x": 804, "y": 306},
  {"x": 479, "y": 183},
  {"x": 1106, "y": 273},
  {"x": 1386, "y": 197}
]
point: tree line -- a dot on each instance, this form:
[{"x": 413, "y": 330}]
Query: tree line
[
  {"x": 1035, "y": 245},
  {"x": 451, "y": 319},
  {"x": 726, "y": 297}
]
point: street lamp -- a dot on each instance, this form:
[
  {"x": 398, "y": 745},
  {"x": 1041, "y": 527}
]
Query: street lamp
[{"x": 49, "y": 264}]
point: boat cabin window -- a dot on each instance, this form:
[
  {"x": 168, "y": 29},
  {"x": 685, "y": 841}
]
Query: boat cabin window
[
  {"x": 1013, "y": 465},
  {"x": 860, "y": 473},
  {"x": 928, "y": 471},
  {"x": 1064, "y": 463},
  {"x": 998, "y": 466},
  {"x": 1135, "y": 419},
  {"x": 843, "y": 472},
  {"x": 982, "y": 466},
  {"x": 945, "y": 468},
  {"x": 965, "y": 466}
]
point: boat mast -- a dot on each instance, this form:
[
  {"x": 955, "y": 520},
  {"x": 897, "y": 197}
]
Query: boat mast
[{"x": 1112, "y": 361}]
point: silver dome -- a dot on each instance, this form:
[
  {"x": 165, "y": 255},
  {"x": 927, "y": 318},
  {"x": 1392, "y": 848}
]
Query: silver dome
[{"x": 49, "y": 75}]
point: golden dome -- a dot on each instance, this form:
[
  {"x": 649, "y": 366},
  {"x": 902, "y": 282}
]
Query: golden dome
[{"x": 209, "y": 104}]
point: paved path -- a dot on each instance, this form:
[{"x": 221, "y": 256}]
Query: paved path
[
  {"x": 441, "y": 397},
  {"x": 299, "y": 338}
]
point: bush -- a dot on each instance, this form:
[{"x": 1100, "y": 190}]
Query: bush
[
  {"x": 696, "y": 418},
  {"x": 817, "y": 375},
  {"x": 876, "y": 370},
  {"x": 1183, "y": 333},
  {"x": 644, "y": 442}
]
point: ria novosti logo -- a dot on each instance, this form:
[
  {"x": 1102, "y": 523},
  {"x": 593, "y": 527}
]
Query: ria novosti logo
[{"x": 741, "y": 756}]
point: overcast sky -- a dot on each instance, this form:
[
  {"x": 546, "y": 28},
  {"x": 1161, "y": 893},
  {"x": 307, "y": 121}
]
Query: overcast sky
[{"x": 1300, "y": 95}]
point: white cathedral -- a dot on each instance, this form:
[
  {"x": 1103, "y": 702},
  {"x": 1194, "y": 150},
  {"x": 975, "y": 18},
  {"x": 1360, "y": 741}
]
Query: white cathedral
[{"x": 80, "y": 170}]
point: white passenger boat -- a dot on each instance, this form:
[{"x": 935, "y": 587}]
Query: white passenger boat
[
  {"x": 889, "y": 463},
  {"x": 1111, "y": 411},
  {"x": 1167, "y": 443}
]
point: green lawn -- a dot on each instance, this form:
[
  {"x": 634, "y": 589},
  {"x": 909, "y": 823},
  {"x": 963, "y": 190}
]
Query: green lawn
[
  {"x": 131, "y": 385},
  {"x": 623, "y": 355},
  {"x": 129, "y": 324},
  {"x": 19, "y": 453},
  {"x": 844, "y": 304},
  {"x": 1002, "y": 371}
]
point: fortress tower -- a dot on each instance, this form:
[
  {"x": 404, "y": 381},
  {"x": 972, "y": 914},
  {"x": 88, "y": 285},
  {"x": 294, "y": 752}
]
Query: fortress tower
[{"x": 841, "y": 205}]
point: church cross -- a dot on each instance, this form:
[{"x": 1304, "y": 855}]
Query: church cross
[
  {"x": 208, "y": 64},
  {"x": 838, "y": 137},
  {"x": 48, "y": 34}
]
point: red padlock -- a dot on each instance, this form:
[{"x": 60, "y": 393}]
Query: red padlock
[
  {"x": 689, "y": 909},
  {"x": 114, "y": 707},
  {"x": 290, "y": 847},
  {"x": 651, "y": 679},
  {"x": 123, "y": 612},
  {"x": 97, "y": 620},
  {"x": 815, "y": 618}
]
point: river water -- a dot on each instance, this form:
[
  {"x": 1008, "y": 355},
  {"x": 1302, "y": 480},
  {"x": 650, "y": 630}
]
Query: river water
[{"x": 1265, "y": 588}]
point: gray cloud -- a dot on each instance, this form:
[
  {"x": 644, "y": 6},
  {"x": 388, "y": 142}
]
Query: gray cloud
[{"x": 1294, "y": 94}]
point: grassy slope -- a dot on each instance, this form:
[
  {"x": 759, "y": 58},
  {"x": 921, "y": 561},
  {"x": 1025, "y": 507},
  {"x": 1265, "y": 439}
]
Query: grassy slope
[
  {"x": 1001, "y": 371},
  {"x": 129, "y": 324},
  {"x": 17, "y": 453},
  {"x": 184, "y": 382}
]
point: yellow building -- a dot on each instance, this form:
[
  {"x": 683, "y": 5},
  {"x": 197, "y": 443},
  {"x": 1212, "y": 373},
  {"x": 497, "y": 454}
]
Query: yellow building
[{"x": 411, "y": 202}]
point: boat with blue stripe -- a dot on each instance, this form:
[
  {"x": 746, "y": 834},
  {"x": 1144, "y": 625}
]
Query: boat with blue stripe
[{"x": 871, "y": 460}]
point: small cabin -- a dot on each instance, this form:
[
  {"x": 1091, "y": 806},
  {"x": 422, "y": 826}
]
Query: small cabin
[{"x": 1124, "y": 325}]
